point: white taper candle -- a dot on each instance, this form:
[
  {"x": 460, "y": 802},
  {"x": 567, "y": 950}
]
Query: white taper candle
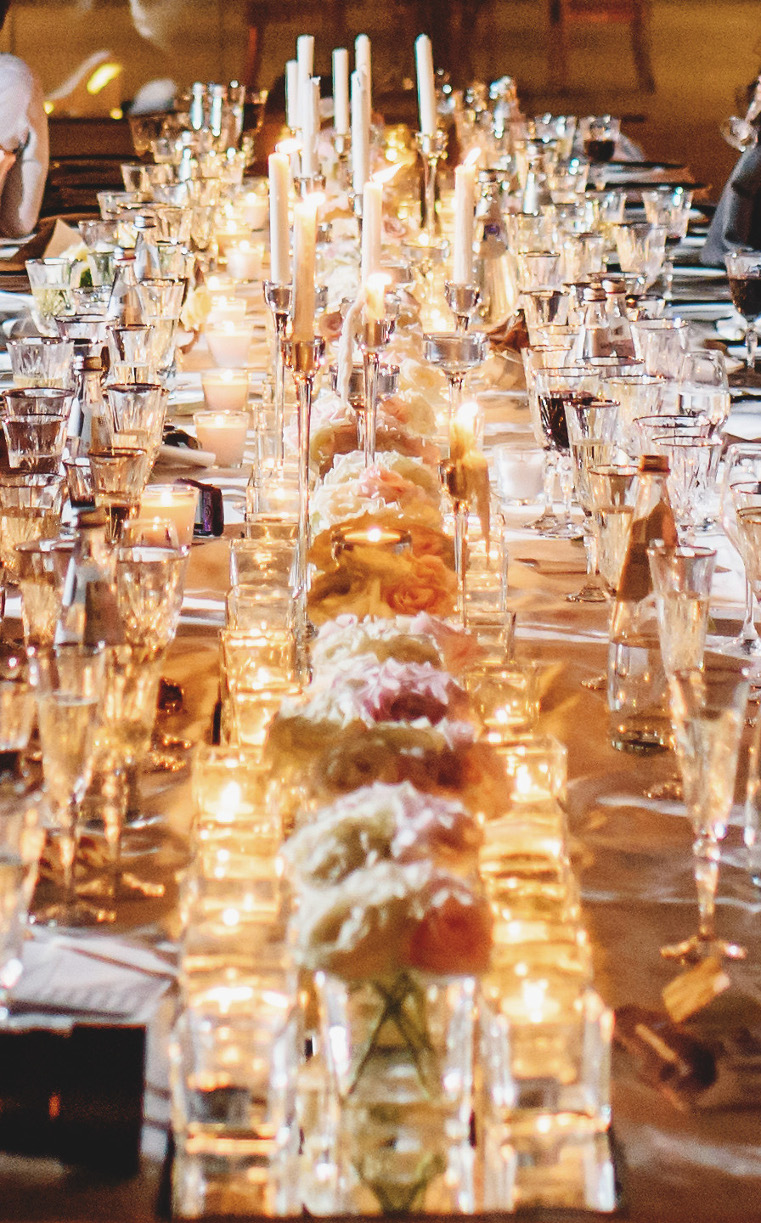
[
  {"x": 360, "y": 133},
  {"x": 372, "y": 216},
  {"x": 304, "y": 244},
  {"x": 279, "y": 176},
  {"x": 363, "y": 62},
  {"x": 341, "y": 90},
  {"x": 292, "y": 94},
  {"x": 426, "y": 87},
  {"x": 464, "y": 223}
]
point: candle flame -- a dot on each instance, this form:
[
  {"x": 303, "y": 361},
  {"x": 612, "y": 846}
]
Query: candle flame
[
  {"x": 288, "y": 147},
  {"x": 473, "y": 158},
  {"x": 466, "y": 419},
  {"x": 385, "y": 176}
]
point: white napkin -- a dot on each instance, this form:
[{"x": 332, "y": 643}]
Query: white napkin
[{"x": 92, "y": 976}]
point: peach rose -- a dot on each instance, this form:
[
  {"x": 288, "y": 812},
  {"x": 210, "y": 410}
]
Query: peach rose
[{"x": 426, "y": 585}]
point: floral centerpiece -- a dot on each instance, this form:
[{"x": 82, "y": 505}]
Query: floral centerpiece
[{"x": 396, "y": 936}]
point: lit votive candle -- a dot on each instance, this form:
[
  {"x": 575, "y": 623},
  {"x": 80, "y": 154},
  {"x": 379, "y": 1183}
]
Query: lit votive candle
[
  {"x": 175, "y": 503},
  {"x": 225, "y": 434},
  {"x": 226, "y": 310},
  {"x": 230, "y": 234},
  {"x": 220, "y": 286},
  {"x": 255, "y": 209},
  {"x": 244, "y": 260},
  {"x": 229, "y": 344},
  {"x": 225, "y": 390}
]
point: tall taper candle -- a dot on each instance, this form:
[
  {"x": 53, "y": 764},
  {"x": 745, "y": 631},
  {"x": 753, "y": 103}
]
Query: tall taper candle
[
  {"x": 304, "y": 243},
  {"x": 307, "y": 120},
  {"x": 426, "y": 88},
  {"x": 363, "y": 62},
  {"x": 372, "y": 217},
  {"x": 292, "y": 94},
  {"x": 360, "y": 133},
  {"x": 341, "y": 90},
  {"x": 279, "y": 173},
  {"x": 305, "y": 53},
  {"x": 464, "y": 223}
]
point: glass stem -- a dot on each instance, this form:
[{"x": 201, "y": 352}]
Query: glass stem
[
  {"x": 706, "y": 851},
  {"x": 590, "y": 549},
  {"x": 370, "y": 362},
  {"x": 548, "y": 487},
  {"x": 281, "y": 321},
  {"x": 304, "y": 388},
  {"x": 67, "y": 841},
  {"x": 460, "y": 554},
  {"x": 565, "y": 472},
  {"x": 751, "y": 344},
  {"x": 455, "y": 395},
  {"x": 429, "y": 196},
  {"x": 748, "y": 632}
]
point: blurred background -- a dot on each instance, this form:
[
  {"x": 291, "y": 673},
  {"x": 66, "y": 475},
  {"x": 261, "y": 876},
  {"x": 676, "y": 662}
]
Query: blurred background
[{"x": 673, "y": 68}]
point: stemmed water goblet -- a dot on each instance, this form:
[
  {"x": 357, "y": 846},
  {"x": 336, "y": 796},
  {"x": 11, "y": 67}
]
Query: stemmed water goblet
[
  {"x": 641, "y": 250},
  {"x": 119, "y": 477},
  {"x": 599, "y": 135},
  {"x": 744, "y": 271},
  {"x": 708, "y": 714},
  {"x": 30, "y": 509},
  {"x": 69, "y": 681},
  {"x": 742, "y": 466},
  {"x": 35, "y": 443},
  {"x": 41, "y": 360},
  {"x": 693, "y": 469},
  {"x": 456, "y": 354},
  {"x": 704, "y": 387},
  {"x": 555, "y": 388},
  {"x": 42, "y": 568},
  {"x": 592, "y": 431},
  {"x": 22, "y": 815},
  {"x": 681, "y": 579},
  {"x": 670, "y": 207}
]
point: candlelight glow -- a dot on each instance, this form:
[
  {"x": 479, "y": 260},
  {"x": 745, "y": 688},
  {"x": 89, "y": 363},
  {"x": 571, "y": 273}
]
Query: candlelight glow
[{"x": 387, "y": 175}]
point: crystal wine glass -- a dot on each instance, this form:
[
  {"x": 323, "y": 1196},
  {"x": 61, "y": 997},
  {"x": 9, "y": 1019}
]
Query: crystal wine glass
[
  {"x": 69, "y": 681},
  {"x": 708, "y": 714},
  {"x": 744, "y": 271}
]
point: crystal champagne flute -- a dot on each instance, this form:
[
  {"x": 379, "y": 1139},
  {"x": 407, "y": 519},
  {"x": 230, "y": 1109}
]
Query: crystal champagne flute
[{"x": 708, "y": 714}]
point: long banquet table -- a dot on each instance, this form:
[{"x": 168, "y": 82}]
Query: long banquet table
[{"x": 633, "y": 857}]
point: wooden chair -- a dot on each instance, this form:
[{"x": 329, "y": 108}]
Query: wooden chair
[{"x": 634, "y": 13}]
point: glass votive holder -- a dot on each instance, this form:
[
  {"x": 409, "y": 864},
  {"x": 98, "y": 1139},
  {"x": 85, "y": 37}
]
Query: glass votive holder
[
  {"x": 233, "y": 1057},
  {"x": 229, "y": 343},
  {"x": 175, "y": 504},
  {"x": 231, "y": 788},
  {"x": 223, "y": 433},
  {"x": 537, "y": 770},
  {"x": 519, "y": 472},
  {"x": 272, "y": 498},
  {"x": 260, "y": 607},
  {"x": 495, "y": 632},
  {"x": 545, "y": 1043},
  {"x": 225, "y": 390},
  {"x": 244, "y": 259},
  {"x": 266, "y": 553},
  {"x": 506, "y": 697},
  {"x": 226, "y": 310}
]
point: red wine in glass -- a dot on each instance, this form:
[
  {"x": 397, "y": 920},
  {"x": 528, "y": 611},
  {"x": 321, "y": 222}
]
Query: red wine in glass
[
  {"x": 599, "y": 148},
  {"x": 746, "y": 294}
]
